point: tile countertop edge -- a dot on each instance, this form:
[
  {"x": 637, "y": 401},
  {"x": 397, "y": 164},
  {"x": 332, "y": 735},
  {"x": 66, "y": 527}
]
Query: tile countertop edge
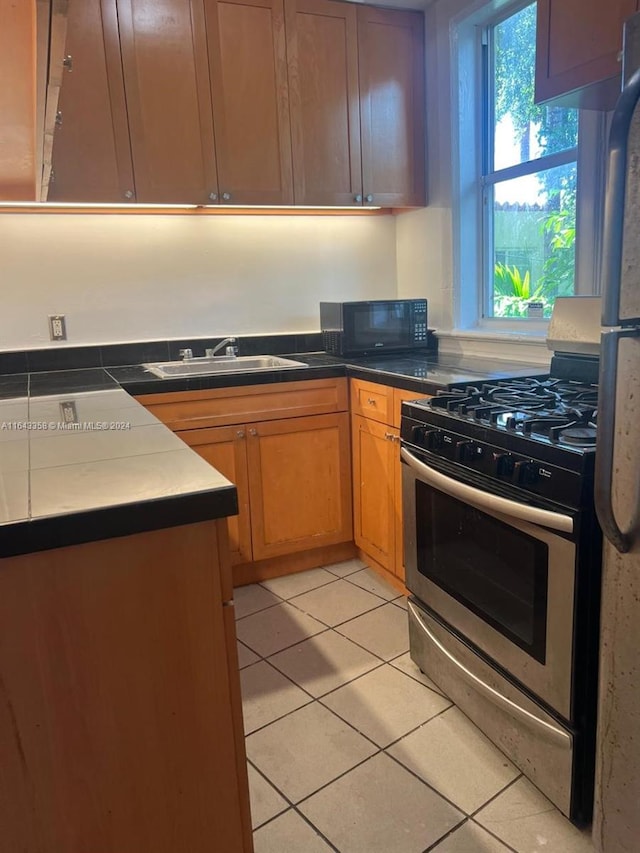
[{"x": 29, "y": 536}]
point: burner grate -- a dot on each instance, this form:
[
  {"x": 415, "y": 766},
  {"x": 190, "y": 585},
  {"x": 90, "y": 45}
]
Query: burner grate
[{"x": 559, "y": 410}]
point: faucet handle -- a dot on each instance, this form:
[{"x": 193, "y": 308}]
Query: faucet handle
[
  {"x": 186, "y": 353},
  {"x": 232, "y": 350}
]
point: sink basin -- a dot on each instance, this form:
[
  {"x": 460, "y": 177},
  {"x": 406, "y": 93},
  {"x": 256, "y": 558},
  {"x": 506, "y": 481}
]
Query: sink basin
[{"x": 221, "y": 364}]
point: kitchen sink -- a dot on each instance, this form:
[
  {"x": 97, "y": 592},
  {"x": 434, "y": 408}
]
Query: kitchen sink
[{"x": 221, "y": 364}]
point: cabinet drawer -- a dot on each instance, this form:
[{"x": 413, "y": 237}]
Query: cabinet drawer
[
  {"x": 372, "y": 400},
  {"x": 247, "y": 404}
]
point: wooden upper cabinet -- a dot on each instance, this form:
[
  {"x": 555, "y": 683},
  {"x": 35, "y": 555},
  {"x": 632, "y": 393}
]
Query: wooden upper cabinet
[
  {"x": 577, "y": 51},
  {"x": 322, "y": 52},
  {"x": 248, "y": 62},
  {"x": 166, "y": 74},
  {"x": 392, "y": 106},
  {"x": 91, "y": 155}
]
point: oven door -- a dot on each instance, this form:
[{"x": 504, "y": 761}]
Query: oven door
[{"x": 500, "y": 572}]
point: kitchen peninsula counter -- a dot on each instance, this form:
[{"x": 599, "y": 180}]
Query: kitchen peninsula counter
[{"x": 81, "y": 461}]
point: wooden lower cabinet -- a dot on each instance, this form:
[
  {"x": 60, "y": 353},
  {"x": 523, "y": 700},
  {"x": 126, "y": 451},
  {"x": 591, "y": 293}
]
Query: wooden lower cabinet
[
  {"x": 225, "y": 449},
  {"x": 299, "y": 484},
  {"x": 120, "y": 719},
  {"x": 374, "y": 486},
  {"x": 377, "y": 472},
  {"x": 293, "y": 481}
]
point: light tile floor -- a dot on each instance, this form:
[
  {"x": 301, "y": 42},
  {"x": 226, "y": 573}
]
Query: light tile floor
[{"x": 352, "y": 749}]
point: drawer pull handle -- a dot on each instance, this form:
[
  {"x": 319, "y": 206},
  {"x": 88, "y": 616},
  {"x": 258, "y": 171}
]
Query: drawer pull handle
[{"x": 371, "y": 401}]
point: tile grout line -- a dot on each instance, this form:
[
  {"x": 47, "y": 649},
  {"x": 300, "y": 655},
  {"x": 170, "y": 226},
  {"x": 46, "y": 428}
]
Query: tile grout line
[
  {"x": 291, "y": 806},
  {"x": 379, "y": 750},
  {"x": 471, "y": 818},
  {"x": 383, "y": 750},
  {"x": 326, "y": 628}
]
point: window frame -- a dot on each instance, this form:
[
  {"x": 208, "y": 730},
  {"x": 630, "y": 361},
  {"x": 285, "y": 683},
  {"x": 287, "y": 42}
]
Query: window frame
[{"x": 471, "y": 148}]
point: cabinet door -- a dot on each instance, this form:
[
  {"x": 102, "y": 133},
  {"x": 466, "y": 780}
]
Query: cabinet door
[
  {"x": 248, "y": 61},
  {"x": 226, "y": 449},
  {"x": 322, "y": 53},
  {"x": 392, "y": 106},
  {"x": 91, "y": 154},
  {"x": 166, "y": 74},
  {"x": 300, "y": 485},
  {"x": 374, "y": 485},
  {"x": 577, "y": 51}
]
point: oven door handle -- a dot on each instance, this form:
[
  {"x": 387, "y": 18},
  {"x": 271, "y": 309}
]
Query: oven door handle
[
  {"x": 548, "y": 730},
  {"x": 484, "y": 500}
]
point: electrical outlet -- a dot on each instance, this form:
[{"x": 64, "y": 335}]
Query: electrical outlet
[
  {"x": 68, "y": 412},
  {"x": 57, "y": 327}
]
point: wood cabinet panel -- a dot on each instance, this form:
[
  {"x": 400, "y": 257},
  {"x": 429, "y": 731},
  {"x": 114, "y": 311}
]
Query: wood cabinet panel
[
  {"x": 577, "y": 51},
  {"x": 166, "y": 73},
  {"x": 18, "y": 155},
  {"x": 374, "y": 489},
  {"x": 372, "y": 400},
  {"x": 399, "y": 395},
  {"x": 377, "y": 471},
  {"x": 324, "y": 99},
  {"x": 225, "y": 449},
  {"x": 115, "y": 674},
  {"x": 247, "y": 404},
  {"x": 300, "y": 485},
  {"x": 91, "y": 154},
  {"x": 247, "y": 57},
  {"x": 392, "y": 106}
]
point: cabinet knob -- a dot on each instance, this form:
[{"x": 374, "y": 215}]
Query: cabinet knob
[
  {"x": 213, "y": 196},
  {"x": 371, "y": 401},
  {"x": 240, "y": 433},
  {"x": 357, "y": 199},
  {"x": 226, "y": 196},
  {"x": 253, "y": 432},
  {"x": 369, "y": 198},
  {"x": 128, "y": 194}
]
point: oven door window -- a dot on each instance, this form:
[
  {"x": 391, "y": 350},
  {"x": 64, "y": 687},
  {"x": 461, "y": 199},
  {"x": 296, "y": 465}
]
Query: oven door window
[{"x": 495, "y": 570}]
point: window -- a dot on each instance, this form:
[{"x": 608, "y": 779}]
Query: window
[
  {"x": 524, "y": 233},
  {"x": 529, "y": 179}
]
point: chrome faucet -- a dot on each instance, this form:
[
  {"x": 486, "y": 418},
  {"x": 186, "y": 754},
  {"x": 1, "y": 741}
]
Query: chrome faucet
[{"x": 231, "y": 348}]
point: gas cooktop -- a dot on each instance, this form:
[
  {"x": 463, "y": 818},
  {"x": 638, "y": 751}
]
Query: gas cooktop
[{"x": 552, "y": 410}]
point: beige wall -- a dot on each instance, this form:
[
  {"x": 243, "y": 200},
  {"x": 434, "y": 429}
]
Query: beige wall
[{"x": 125, "y": 278}]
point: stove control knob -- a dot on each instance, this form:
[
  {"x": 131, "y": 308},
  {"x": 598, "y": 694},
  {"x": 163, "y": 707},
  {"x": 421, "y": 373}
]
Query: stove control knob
[
  {"x": 417, "y": 434},
  {"x": 433, "y": 439},
  {"x": 467, "y": 451},
  {"x": 503, "y": 464},
  {"x": 526, "y": 473}
]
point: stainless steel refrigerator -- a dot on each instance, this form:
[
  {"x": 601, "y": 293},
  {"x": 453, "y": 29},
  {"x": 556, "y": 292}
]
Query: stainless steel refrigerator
[{"x": 616, "y": 827}]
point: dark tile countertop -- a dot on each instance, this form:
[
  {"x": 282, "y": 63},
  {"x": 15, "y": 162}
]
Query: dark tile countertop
[
  {"x": 426, "y": 374},
  {"x": 81, "y": 460}
]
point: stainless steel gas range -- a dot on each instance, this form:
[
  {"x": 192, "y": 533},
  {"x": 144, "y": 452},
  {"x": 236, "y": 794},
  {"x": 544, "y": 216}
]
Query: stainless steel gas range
[{"x": 502, "y": 556}]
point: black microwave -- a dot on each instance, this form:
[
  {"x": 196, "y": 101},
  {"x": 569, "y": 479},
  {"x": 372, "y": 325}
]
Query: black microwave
[{"x": 380, "y": 325}]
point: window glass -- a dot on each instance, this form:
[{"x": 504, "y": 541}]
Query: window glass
[{"x": 529, "y": 181}]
